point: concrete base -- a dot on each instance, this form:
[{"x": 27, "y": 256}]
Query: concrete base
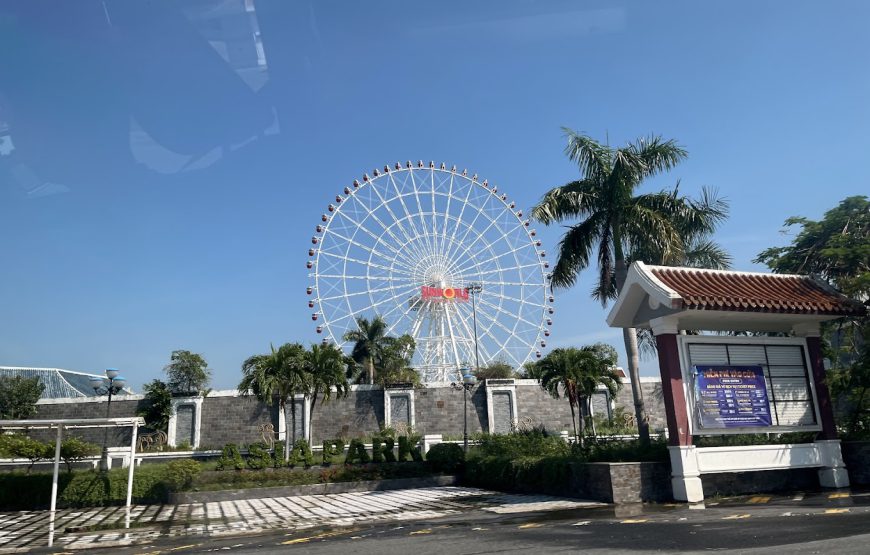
[
  {"x": 833, "y": 473},
  {"x": 685, "y": 476}
]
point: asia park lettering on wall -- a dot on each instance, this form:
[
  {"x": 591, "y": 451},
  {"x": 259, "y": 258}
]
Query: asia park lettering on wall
[{"x": 455, "y": 294}]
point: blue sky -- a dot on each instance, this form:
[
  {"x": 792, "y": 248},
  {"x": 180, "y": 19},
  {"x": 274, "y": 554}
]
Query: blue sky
[{"x": 160, "y": 180}]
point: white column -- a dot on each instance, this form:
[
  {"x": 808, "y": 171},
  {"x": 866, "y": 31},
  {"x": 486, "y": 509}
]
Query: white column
[
  {"x": 54, "y": 484},
  {"x": 833, "y": 473},
  {"x": 685, "y": 475}
]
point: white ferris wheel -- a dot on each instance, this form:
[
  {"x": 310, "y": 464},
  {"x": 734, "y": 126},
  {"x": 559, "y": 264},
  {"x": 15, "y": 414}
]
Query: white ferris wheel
[{"x": 438, "y": 255}]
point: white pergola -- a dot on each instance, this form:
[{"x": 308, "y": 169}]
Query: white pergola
[{"x": 74, "y": 423}]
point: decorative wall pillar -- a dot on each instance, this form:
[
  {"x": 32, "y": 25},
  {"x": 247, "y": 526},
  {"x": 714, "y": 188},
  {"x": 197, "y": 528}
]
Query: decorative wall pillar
[
  {"x": 172, "y": 437},
  {"x": 393, "y": 398},
  {"x": 509, "y": 390},
  {"x": 302, "y": 414}
]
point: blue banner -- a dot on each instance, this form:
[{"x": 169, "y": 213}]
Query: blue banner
[{"x": 731, "y": 397}]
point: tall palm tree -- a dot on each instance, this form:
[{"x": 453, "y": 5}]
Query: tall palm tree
[
  {"x": 325, "y": 366},
  {"x": 579, "y": 373},
  {"x": 700, "y": 252},
  {"x": 278, "y": 375},
  {"x": 614, "y": 221},
  {"x": 370, "y": 341}
]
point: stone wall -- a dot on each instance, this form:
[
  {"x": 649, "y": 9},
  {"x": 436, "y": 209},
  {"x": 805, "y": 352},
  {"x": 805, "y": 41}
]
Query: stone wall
[
  {"x": 229, "y": 418},
  {"x": 91, "y": 407}
]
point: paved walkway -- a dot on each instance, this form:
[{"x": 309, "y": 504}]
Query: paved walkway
[{"x": 80, "y": 528}]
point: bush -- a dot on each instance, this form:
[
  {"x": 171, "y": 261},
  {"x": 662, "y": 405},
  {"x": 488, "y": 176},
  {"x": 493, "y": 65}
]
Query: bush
[
  {"x": 332, "y": 450},
  {"x": 524, "y": 474},
  {"x": 230, "y": 458},
  {"x": 259, "y": 456},
  {"x": 301, "y": 454},
  {"x": 94, "y": 489},
  {"x": 527, "y": 443},
  {"x": 22, "y": 447},
  {"x": 180, "y": 474},
  {"x": 446, "y": 457},
  {"x": 73, "y": 449},
  {"x": 623, "y": 451}
]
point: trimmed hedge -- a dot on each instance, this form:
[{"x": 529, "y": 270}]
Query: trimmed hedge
[
  {"x": 446, "y": 457},
  {"x": 82, "y": 489}
]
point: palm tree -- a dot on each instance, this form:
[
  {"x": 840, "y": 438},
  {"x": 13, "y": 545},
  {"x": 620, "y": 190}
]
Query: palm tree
[
  {"x": 614, "y": 222},
  {"x": 279, "y": 374},
  {"x": 325, "y": 366},
  {"x": 700, "y": 252},
  {"x": 370, "y": 341},
  {"x": 579, "y": 373}
]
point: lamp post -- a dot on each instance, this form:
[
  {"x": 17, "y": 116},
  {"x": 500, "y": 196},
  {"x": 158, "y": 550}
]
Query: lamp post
[
  {"x": 469, "y": 380},
  {"x": 473, "y": 290},
  {"x": 112, "y": 384}
]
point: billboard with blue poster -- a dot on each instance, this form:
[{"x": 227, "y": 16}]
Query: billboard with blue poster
[{"x": 731, "y": 396}]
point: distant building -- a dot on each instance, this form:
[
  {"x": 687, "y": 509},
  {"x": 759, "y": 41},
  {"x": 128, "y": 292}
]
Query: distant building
[{"x": 59, "y": 383}]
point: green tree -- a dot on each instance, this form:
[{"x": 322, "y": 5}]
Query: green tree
[
  {"x": 394, "y": 363},
  {"x": 497, "y": 370},
  {"x": 579, "y": 373},
  {"x": 188, "y": 373},
  {"x": 18, "y": 397},
  {"x": 836, "y": 249},
  {"x": 157, "y": 405},
  {"x": 20, "y": 446},
  {"x": 614, "y": 222},
  {"x": 278, "y": 375},
  {"x": 370, "y": 341},
  {"x": 325, "y": 366},
  {"x": 73, "y": 449}
]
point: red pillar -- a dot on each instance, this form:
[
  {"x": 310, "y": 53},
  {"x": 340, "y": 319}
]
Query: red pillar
[
  {"x": 826, "y": 409},
  {"x": 672, "y": 389}
]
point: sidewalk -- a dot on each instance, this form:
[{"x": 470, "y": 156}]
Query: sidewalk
[{"x": 103, "y": 527}]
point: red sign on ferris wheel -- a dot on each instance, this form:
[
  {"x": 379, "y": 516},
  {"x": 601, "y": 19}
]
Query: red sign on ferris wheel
[{"x": 444, "y": 294}]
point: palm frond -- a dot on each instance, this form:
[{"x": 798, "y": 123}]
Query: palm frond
[
  {"x": 574, "y": 199},
  {"x": 657, "y": 155},
  {"x": 593, "y": 158},
  {"x": 575, "y": 249},
  {"x": 706, "y": 253}
]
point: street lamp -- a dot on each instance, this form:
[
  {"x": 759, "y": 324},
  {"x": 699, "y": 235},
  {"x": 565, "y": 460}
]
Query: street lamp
[
  {"x": 112, "y": 384},
  {"x": 473, "y": 290},
  {"x": 469, "y": 380}
]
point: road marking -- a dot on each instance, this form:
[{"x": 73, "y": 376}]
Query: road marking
[
  {"x": 735, "y": 517},
  {"x": 634, "y": 521},
  {"x": 318, "y": 537},
  {"x": 582, "y": 523},
  {"x": 838, "y": 496},
  {"x": 478, "y": 529},
  {"x": 759, "y": 499},
  {"x": 419, "y": 532},
  {"x": 835, "y": 511},
  {"x": 798, "y": 497},
  {"x": 530, "y": 525}
]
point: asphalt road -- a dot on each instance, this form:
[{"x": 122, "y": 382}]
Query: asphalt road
[{"x": 758, "y": 525}]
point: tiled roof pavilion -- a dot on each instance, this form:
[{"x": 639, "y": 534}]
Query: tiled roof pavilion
[
  {"x": 726, "y": 300},
  {"x": 59, "y": 383}
]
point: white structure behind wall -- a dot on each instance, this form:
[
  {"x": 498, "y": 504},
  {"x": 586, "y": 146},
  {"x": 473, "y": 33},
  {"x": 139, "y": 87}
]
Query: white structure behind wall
[
  {"x": 396, "y": 402},
  {"x": 498, "y": 389},
  {"x": 174, "y": 438},
  {"x": 303, "y": 410}
]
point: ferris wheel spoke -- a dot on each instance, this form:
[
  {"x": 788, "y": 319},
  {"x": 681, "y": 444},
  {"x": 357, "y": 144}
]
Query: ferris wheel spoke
[
  {"x": 420, "y": 212},
  {"x": 501, "y": 310},
  {"x": 465, "y": 269},
  {"x": 396, "y": 219},
  {"x": 481, "y": 345},
  {"x": 354, "y": 294},
  {"x": 408, "y": 217},
  {"x": 386, "y": 316},
  {"x": 442, "y": 250},
  {"x": 368, "y": 232},
  {"x": 369, "y": 249},
  {"x": 358, "y": 261},
  {"x": 352, "y": 314},
  {"x": 453, "y": 344}
]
